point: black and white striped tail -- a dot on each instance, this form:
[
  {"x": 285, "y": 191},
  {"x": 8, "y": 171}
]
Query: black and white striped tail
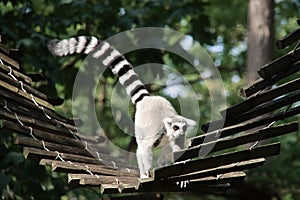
[{"x": 109, "y": 56}]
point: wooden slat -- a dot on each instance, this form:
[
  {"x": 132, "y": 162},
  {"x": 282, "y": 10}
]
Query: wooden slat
[
  {"x": 280, "y": 64},
  {"x": 15, "y": 102},
  {"x": 30, "y": 142},
  {"x": 3, "y": 48},
  {"x": 264, "y": 109},
  {"x": 288, "y": 39},
  {"x": 197, "y": 184},
  {"x": 29, "y": 89},
  {"x": 77, "y": 167},
  {"x": 234, "y": 167},
  {"x": 39, "y": 154},
  {"x": 53, "y": 125},
  {"x": 46, "y": 135},
  {"x": 208, "y": 185},
  {"x": 233, "y": 114},
  {"x": 226, "y": 143},
  {"x": 25, "y": 95},
  {"x": 37, "y": 123},
  {"x": 93, "y": 180},
  {"x": 228, "y": 131},
  {"x": 263, "y": 83},
  {"x": 215, "y": 161},
  {"x": 10, "y": 61},
  {"x": 262, "y": 98},
  {"x": 17, "y": 74}
]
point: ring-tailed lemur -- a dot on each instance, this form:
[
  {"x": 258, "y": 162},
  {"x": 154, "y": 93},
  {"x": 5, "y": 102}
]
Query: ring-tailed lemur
[{"x": 155, "y": 117}]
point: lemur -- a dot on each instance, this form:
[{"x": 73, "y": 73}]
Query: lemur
[{"x": 155, "y": 117}]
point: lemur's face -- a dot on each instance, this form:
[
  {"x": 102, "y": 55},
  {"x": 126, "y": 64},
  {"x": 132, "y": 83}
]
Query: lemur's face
[{"x": 177, "y": 126}]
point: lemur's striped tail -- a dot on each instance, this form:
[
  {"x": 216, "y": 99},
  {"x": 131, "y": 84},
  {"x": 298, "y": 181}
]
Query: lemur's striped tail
[{"x": 108, "y": 55}]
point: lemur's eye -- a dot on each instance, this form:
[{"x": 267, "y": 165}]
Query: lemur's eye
[{"x": 175, "y": 127}]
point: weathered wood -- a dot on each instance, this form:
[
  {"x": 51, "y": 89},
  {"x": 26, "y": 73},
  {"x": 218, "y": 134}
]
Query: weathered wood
[
  {"x": 3, "y": 48},
  {"x": 14, "y": 100},
  {"x": 264, "y": 108},
  {"x": 226, "y": 143},
  {"x": 262, "y": 98},
  {"x": 54, "y": 140},
  {"x": 52, "y": 125},
  {"x": 280, "y": 64},
  {"x": 99, "y": 169},
  {"x": 29, "y": 142},
  {"x": 98, "y": 180},
  {"x": 24, "y": 95},
  {"x": 288, "y": 39},
  {"x": 197, "y": 184},
  {"x": 228, "y": 131},
  {"x": 26, "y": 87},
  {"x": 263, "y": 83},
  {"x": 215, "y": 172},
  {"x": 37, "y": 123},
  {"x": 41, "y": 134},
  {"x": 215, "y": 161},
  {"x": 22, "y": 77},
  {"x": 9, "y": 61},
  {"x": 208, "y": 185},
  {"x": 48, "y": 136},
  {"x": 39, "y": 154},
  {"x": 253, "y": 113}
]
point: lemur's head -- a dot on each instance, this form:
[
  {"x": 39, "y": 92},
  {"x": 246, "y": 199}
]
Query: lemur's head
[{"x": 177, "y": 125}]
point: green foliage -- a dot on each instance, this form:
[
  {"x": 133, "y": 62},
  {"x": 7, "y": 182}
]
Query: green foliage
[{"x": 221, "y": 28}]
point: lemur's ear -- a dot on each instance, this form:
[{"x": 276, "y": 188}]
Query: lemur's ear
[
  {"x": 167, "y": 121},
  {"x": 189, "y": 122}
]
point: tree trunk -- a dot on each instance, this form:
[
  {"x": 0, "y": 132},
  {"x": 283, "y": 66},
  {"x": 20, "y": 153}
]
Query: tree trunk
[{"x": 260, "y": 36}]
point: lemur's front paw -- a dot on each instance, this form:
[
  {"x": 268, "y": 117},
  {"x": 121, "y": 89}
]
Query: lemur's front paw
[{"x": 144, "y": 176}]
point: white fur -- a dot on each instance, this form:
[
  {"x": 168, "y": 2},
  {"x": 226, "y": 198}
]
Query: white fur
[
  {"x": 104, "y": 47},
  {"x": 91, "y": 46},
  {"x": 80, "y": 44},
  {"x": 113, "y": 55},
  {"x": 153, "y": 114}
]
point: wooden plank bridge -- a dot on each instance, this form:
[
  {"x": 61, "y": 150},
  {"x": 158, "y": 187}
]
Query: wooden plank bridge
[{"x": 51, "y": 139}]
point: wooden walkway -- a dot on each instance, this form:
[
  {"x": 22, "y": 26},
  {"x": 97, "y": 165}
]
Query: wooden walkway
[{"x": 53, "y": 140}]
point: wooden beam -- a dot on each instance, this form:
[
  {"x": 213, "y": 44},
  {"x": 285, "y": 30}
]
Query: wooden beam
[
  {"x": 263, "y": 83},
  {"x": 197, "y": 184},
  {"x": 47, "y": 135},
  {"x": 37, "y": 123},
  {"x": 260, "y": 110},
  {"x": 30, "y": 142},
  {"x": 15, "y": 102},
  {"x": 262, "y": 98},
  {"x": 280, "y": 64},
  {"x": 28, "y": 88},
  {"x": 9, "y": 61},
  {"x": 228, "y": 131},
  {"x": 25, "y": 95},
  {"x": 99, "y": 169},
  {"x": 218, "y": 171},
  {"x": 22, "y": 77},
  {"x": 215, "y": 161},
  {"x": 39, "y": 154},
  {"x": 288, "y": 39},
  {"x": 230, "y": 142}
]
